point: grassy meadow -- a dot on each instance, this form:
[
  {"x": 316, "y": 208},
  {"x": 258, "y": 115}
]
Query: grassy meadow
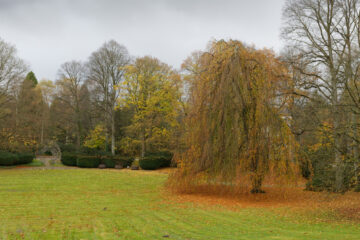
[{"x": 38, "y": 203}]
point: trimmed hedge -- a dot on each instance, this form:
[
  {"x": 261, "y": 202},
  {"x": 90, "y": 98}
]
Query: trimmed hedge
[
  {"x": 68, "y": 159},
  {"x": 153, "y": 161},
  {"x": 88, "y": 161},
  {"x": 93, "y": 161},
  {"x": 8, "y": 159},
  {"x": 164, "y": 154},
  {"x": 111, "y": 161},
  {"x": 108, "y": 161},
  {"x": 24, "y": 158},
  {"x": 150, "y": 163}
]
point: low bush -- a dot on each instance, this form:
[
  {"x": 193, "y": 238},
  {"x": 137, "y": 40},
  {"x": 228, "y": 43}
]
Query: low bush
[
  {"x": 323, "y": 177},
  {"x": 155, "y": 160},
  {"x": 108, "y": 161},
  {"x": 111, "y": 161},
  {"x": 323, "y": 172},
  {"x": 68, "y": 159},
  {"x": 24, "y": 158},
  {"x": 8, "y": 159},
  {"x": 164, "y": 154},
  {"x": 151, "y": 163},
  {"x": 88, "y": 161}
]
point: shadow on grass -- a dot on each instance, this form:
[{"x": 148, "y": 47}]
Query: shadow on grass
[{"x": 34, "y": 163}]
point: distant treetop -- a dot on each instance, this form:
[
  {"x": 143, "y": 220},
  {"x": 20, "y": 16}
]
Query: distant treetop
[{"x": 31, "y": 77}]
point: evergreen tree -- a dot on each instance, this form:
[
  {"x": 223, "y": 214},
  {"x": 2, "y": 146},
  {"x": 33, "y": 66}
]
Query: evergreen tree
[
  {"x": 30, "y": 110},
  {"x": 31, "y": 78}
]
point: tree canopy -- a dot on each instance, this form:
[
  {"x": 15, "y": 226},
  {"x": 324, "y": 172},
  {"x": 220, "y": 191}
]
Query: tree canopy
[{"x": 237, "y": 122}]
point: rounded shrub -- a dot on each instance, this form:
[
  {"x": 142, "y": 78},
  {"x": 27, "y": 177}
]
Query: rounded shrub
[
  {"x": 88, "y": 161},
  {"x": 8, "y": 159},
  {"x": 164, "y": 158},
  {"x": 108, "y": 161},
  {"x": 24, "y": 158},
  {"x": 150, "y": 163},
  {"x": 68, "y": 159},
  {"x": 111, "y": 161}
]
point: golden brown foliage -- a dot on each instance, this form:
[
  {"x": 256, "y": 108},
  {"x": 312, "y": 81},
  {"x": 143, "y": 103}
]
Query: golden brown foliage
[{"x": 237, "y": 118}]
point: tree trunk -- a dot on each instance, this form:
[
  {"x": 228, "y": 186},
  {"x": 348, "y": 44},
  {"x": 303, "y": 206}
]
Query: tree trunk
[
  {"x": 78, "y": 122},
  {"x": 339, "y": 169},
  {"x": 106, "y": 138},
  {"x": 356, "y": 151},
  {"x": 113, "y": 132},
  {"x": 257, "y": 177},
  {"x": 257, "y": 183},
  {"x": 78, "y": 137},
  {"x": 42, "y": 132},
  {"x": 143, "y": 144},
  {"x": 339, "y": 166},
  {"x": 66, "y": 137}
]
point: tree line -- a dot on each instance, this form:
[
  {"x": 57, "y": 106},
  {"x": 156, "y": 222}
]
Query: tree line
[
  {"x": 231, "y": 112},
  {"x": 112, "y": 103}
]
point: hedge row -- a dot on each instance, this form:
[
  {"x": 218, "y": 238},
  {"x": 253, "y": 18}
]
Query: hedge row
[
  {"x": 86, "y": 161},
  {"x": 9, "y": 159},
  {"x": 153, "y": 161},
  {"x": 111, "y": 161},
  {"x": 69, "y": 159},
  {"x": 25, "y": 158}
]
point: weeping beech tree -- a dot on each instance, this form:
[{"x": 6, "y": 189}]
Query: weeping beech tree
[{"x": 237, "y": 122}]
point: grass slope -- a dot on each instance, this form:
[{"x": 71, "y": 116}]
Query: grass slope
[{"x": 110, "y": 204}]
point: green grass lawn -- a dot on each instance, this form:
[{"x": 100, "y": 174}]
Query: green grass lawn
[
  {"x": 110, "y": 204},
  {"x": 35, "y": 163}
]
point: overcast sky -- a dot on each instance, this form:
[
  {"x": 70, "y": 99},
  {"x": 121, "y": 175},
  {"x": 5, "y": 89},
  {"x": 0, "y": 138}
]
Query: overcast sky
[{"x": 48, "y": 33}]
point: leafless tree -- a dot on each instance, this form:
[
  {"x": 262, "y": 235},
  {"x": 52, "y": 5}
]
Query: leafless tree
[
  {"x": 311, "y": 28},
  {"x": 71, "y": 77},
  {"x": 12, "y": 72},
  {"x": 106, "y": 72}
]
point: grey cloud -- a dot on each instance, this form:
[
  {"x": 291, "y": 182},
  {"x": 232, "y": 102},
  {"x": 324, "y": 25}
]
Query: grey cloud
[{"x": 50, "y": 32}]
